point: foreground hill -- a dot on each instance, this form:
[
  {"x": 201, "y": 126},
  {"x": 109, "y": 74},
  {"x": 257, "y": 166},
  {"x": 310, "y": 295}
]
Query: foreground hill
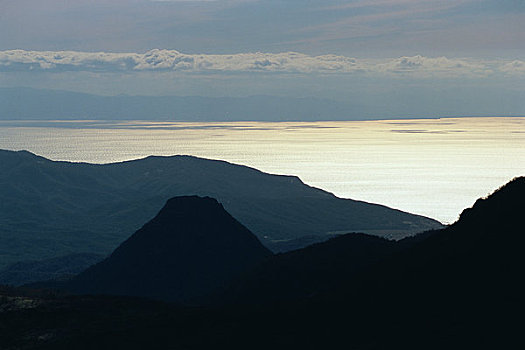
[
  {"x": 191, "y": 248},
  {"x": 49, "y": 209},
  {"x": 476, "y": 260},
  {"x": 479, "y": 255},
  {"x": 315, "y": 270},
  {"x": 457, "y": 288}
]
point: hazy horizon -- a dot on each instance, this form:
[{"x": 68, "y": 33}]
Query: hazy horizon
[
  {"x": 273, "y": 61},
  {"x": 432, "y": 58}
]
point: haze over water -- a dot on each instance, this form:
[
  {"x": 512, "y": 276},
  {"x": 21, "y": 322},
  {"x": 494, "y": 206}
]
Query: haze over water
[{"x": 432, "y": 167}]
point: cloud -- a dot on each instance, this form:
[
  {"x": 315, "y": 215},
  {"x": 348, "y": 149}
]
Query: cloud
[
  {"x": 514, "y": 67},
  {"x": 287, "y": 62},
  {"x": 438, "y": 66}
]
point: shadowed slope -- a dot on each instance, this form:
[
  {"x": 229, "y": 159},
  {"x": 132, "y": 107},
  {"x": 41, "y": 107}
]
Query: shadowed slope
[
  {"x": 191, "y": 248},
  {"x": 478, "y": 256},
  {"x": 307, "y": 272},
  {"x": 50, "y": 209},
  {"x": 458, "y": 288}
]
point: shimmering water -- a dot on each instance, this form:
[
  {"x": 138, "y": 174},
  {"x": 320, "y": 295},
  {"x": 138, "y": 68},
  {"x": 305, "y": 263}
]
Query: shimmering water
[{"x": 431, "y": 167}]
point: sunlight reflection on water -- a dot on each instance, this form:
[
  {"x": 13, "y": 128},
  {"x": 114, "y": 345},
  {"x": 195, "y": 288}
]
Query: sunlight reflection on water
[{"x": 433, "y": 167}]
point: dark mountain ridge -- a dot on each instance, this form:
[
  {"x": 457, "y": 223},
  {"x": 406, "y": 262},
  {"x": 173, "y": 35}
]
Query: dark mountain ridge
[
  {"x": 455, "y": 288},
  {"x": 477, "y": 256},
  {"x": 314, "y": 270},
  {"x": 50, "y": 209},
  {"x": 480, "y": 254},
  {"x": 458, "y": 287},
  {"x": 190, "y": 249}
]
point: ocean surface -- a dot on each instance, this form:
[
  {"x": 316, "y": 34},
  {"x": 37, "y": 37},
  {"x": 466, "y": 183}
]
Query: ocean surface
[{"x": 433, "y": 167}]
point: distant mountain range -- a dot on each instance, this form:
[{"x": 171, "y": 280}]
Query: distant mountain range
[
  {"x": 35, "y": 104},
  {"x": 20, "y": 103},
  {"x": 457, "y": 287},
  {"x": 50, "y": 209}
]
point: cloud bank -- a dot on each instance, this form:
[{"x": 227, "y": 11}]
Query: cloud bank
[{"x": 286, "y": 62}]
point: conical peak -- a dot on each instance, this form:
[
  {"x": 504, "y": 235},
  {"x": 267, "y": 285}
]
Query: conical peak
[
  {"x": 190, "y": 207},
  {"x": 185, "y": 202}
]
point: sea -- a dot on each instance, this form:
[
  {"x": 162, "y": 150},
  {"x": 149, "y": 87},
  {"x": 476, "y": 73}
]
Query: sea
[{"x": 432, "y": 167}]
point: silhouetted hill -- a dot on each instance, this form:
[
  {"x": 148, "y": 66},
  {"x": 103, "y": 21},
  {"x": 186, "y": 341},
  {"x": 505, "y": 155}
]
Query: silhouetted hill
[
  {"x": 476, "y": 258},
  {"x": 191, "y": 248},
  {"x": 456, "y": 288},
  {"x": 316, "y": 269},
  {"x": 459, "y": 288},
  {"x": 50, "y": 209}
]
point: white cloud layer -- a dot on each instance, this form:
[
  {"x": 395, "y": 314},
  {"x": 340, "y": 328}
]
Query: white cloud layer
[{"x": 287, "y": 62}]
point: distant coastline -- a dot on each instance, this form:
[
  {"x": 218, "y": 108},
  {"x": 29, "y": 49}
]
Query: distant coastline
[{"x": 46, "y": 104}]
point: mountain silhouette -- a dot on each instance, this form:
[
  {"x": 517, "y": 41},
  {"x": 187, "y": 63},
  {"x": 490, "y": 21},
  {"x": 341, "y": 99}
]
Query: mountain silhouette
[
  {"x": 313, "y": 270},
  {"x": 454, "y": 288},
  {"x": 484, "y": 244},
  {"x": 191, "y": 248},
  {"x": 50, "y": 209},
  {"x": 479, "y": 256},
  {"x": 458, "y": 287}
]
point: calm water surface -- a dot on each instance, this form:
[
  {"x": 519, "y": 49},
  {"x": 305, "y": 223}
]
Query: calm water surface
[{"x": 431, "y": 167}]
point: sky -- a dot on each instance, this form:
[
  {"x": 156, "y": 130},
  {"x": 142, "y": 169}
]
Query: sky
[{"x": 451, "y": 57}]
